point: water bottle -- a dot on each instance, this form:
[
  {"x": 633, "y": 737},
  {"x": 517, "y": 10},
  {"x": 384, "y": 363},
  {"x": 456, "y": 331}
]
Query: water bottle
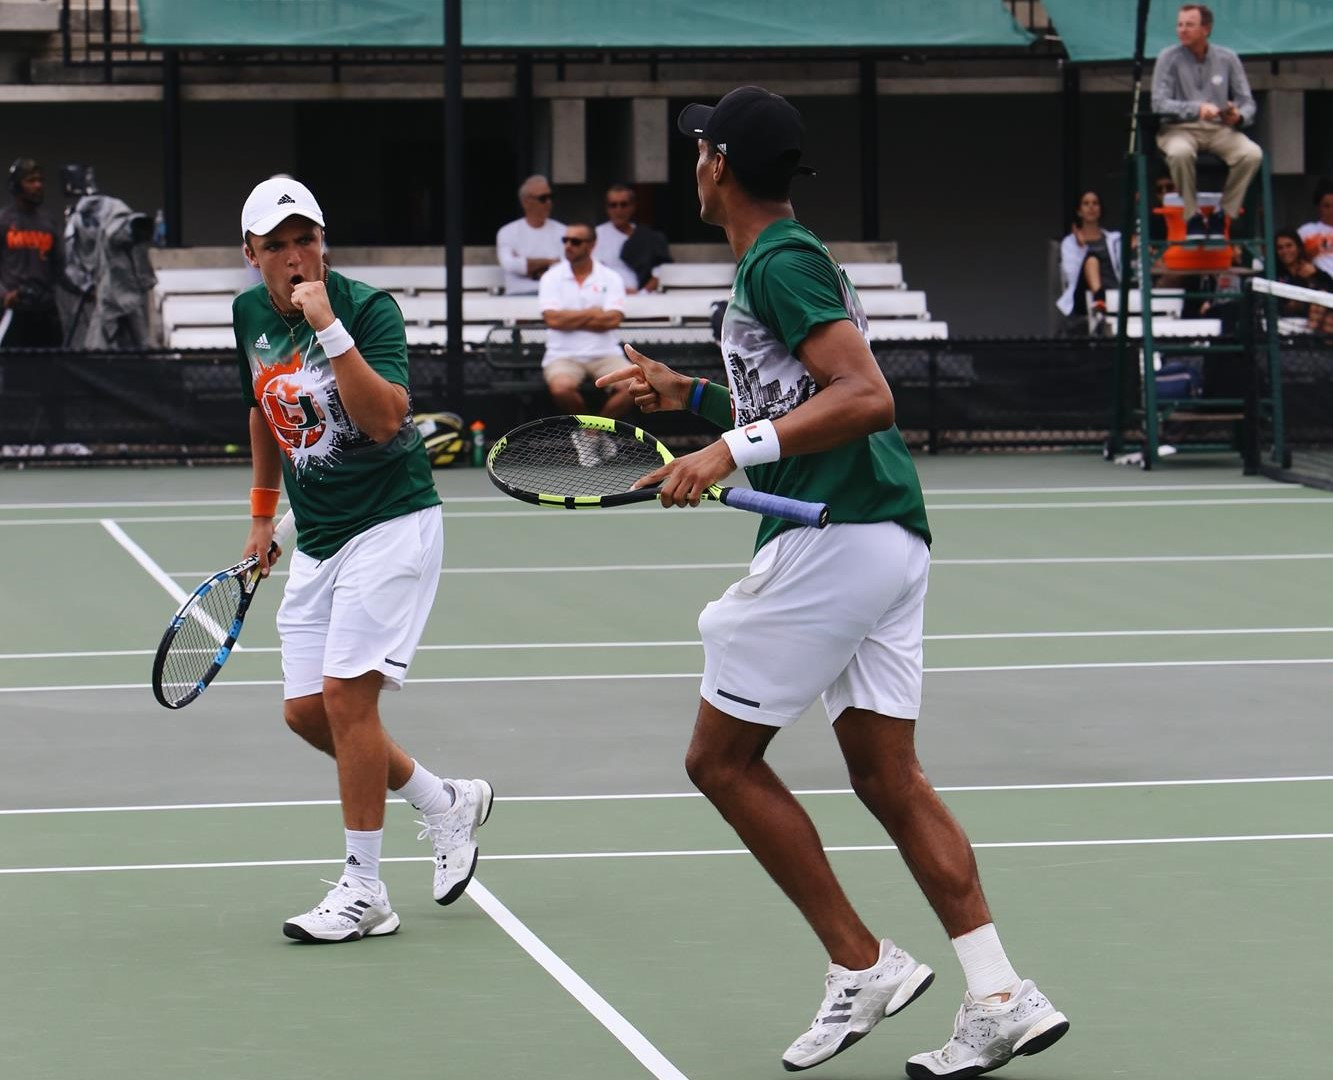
[
  {"x": 159, "y": 229},
  {"x": 478, "y": 430}
]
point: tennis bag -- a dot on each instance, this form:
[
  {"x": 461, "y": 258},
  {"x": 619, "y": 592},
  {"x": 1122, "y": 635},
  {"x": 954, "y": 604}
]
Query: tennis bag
[{"x": 443, "y": 435}]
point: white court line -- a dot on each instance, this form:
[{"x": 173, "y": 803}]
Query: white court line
[
  {"x": 146, "y": 561},
  {"x": 1092, "y": 490},
  {"x": 554, "y": 856},
  {"x": 625, "y": 1033},
  {"x": 695, "y": 642},
  {"x": 978, "y": 669},
  {"x": 639, "y": 796},
  {"x": 998, "y": 561},
  {"x": 552, "y": 514}
]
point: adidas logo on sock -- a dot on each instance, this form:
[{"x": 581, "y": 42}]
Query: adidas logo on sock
[{"x": 353, "y": 861}]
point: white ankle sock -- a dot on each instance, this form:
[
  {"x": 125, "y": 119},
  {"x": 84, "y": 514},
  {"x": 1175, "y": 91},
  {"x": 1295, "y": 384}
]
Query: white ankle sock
[
  {"x": 985, "y": 965},
  {"x": 363, "y": 856},
  {"x": 426, "y": 791}
]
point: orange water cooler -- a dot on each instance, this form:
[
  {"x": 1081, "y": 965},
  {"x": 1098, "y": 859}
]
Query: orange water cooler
[{"x": 1183, "y": 253}]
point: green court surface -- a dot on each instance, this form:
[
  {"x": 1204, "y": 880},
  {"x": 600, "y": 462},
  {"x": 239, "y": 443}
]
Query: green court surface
[{"x": 1126, "y": 706}]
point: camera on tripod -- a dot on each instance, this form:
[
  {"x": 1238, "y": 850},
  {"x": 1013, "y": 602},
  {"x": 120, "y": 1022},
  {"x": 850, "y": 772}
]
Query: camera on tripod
[{"x": 78, "y": 181}]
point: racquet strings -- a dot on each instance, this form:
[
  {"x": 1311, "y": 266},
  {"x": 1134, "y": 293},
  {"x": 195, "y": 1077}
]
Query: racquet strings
[
  {"x": 571, "y": 460},
  {"x": 205, "y": 628}
]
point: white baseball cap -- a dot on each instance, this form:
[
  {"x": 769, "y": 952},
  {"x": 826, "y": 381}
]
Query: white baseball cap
[{"x": 273, "y": 201}]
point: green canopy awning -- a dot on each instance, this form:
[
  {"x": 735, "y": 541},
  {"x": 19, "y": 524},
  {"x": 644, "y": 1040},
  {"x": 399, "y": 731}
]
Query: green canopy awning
[
  {"x": 1099, "y": 30},
  {"x": 582, "y": 24}
]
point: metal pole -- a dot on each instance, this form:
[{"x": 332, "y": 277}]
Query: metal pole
[
  {"x": 453, "y": 198},
  {"x": 106, "y": 41},
  {"x": 171, "y": 146},
  {"x": 869, "y": 101},
  {"x": 1070, "y": 145},
  {"x": 523, "y": 118}
]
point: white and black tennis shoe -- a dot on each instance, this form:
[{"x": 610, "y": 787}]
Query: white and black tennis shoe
[
  {"x": 988, "y": 1034},
  {"x": 349, "y": 913},
  {"x": 453, "y": 835},
  {"x": 855, "y": 1001}
]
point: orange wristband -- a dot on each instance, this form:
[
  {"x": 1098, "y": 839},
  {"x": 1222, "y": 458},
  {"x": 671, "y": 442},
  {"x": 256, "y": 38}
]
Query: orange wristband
[{"x": 264, "y": 502}]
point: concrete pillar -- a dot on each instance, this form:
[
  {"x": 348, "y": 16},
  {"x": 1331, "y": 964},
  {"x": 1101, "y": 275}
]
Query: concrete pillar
[
  {"x": 649, "y": 131},
  {"x": 1283, "y": 123},
  {"x": 569, "y": 159}
]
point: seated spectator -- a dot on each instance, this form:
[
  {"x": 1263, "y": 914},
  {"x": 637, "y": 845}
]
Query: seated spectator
[
  {"x": 632, "y": 250},
  {"x": 31, "y": 263},
  {"x": 1089, "y": 262},
  {"x": 529, "y": 245},
  {"x": 1317, "y": 236},
  {"x": 1201, "y": 91},
  {"x": 1294, "y": 267},
  {"x": 582, "y": 302}
]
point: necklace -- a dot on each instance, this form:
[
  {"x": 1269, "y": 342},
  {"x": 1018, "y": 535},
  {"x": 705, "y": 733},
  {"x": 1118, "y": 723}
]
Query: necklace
[{"x": 291, "y": 326}]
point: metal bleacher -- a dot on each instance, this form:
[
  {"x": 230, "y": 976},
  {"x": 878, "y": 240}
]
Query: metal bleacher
[{"x": 193, "y": 305}]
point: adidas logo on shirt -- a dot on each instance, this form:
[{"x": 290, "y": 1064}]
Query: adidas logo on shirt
[{"x": 261, "y": 342}]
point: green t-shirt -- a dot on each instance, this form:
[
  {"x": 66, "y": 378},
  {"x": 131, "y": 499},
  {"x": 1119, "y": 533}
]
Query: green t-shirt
[
  {"x": 339, "y": 481},
  {"x": 786, "y": 285}
]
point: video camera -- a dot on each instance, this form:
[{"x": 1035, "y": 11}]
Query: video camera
[{"x": 78, "y": 181}]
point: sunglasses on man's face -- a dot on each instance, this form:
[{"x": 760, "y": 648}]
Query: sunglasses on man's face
[
  {"x": 618, "y": 205},
  {"x": 574, "y": 241},
  {"x": 541, "y": 198}
]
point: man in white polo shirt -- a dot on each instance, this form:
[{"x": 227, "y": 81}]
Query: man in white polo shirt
[{"x": 582, "y": 302}]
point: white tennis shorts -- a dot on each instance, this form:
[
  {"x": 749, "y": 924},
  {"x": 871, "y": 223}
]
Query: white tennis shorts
[
  {"x": 834, "y": 612},
  {"x": 364, "y": 608}
]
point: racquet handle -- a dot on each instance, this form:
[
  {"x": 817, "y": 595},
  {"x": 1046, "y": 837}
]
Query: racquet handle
[
  {"x": 814, "y": 515},
  {"x": 285, "y": 531}
]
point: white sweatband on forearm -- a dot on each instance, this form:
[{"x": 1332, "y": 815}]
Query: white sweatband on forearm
[
  {"x": 334, "y": 339},
  {"x": 753, "y": 444}
]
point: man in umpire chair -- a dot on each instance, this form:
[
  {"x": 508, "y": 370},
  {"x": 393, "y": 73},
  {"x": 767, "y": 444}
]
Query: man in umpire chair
[{"x": 323, "y": 366}]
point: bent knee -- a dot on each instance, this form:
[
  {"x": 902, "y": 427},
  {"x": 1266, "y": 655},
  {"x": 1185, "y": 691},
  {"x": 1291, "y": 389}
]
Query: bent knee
[{"x": 708, "y": 771}]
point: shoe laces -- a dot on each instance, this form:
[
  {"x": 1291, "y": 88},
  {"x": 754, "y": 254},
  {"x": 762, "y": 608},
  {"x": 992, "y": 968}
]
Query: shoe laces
[{"x": 447, "y": 831}]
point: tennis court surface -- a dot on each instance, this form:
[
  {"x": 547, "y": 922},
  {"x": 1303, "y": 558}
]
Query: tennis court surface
[{"x": 1126, "y": 703}]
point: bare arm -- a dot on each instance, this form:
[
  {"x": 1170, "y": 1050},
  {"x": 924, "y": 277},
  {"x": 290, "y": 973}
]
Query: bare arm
[
  {"x": 853, "y": 399},
  {"x": 266, "y": 472},
  {"x": 376, "y": 405},
  {"x": 581, "y": 319}
]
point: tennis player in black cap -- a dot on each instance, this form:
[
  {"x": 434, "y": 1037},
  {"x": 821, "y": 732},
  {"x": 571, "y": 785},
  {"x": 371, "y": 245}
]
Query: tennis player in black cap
[{"x": 832, "y": 614}]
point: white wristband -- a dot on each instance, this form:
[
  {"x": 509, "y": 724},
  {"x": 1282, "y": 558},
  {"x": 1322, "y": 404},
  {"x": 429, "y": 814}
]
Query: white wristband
[
  {"x": 335, "y": 339},
  {"x": 753, "y": 444}
]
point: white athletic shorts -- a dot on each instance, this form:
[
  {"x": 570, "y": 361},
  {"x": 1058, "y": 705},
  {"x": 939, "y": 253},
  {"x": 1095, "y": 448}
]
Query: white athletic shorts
[
  {"x": 834, "y": 612},
  {"x": 364, "y": 608}
]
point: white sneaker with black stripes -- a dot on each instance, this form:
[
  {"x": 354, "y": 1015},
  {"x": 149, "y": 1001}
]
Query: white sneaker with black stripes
[
  {"x": 453, "y": 834},
  {"x": 348, "y": 913},
  {"x": 855, "y": 1001}
]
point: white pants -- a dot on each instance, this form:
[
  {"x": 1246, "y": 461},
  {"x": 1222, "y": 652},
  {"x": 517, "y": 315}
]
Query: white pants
[
  {"x": 364, "y": 608},
  {"x": 833, "y": 612}
]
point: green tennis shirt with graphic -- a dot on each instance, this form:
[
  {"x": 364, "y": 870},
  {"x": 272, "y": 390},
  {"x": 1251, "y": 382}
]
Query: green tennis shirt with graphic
[
  {"x": 340, "y": 481},
  {"x": 786, "y": 285}
]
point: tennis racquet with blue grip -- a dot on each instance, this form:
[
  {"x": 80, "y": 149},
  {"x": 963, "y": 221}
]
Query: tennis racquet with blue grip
[
  {"x": 200, "y": 636},
  {"x": 589, "y": 462}
]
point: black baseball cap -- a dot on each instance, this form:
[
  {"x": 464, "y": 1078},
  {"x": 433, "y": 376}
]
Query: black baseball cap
[{"x": 759, "y": 131}]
